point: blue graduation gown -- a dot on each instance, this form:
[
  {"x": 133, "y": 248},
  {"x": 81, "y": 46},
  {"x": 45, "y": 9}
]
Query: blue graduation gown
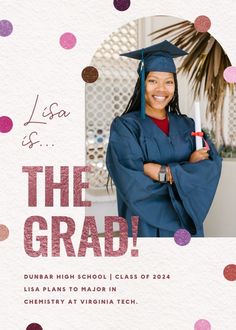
[{"x": 162, "y": 208}]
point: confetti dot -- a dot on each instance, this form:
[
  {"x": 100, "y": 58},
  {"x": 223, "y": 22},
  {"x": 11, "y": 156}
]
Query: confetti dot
[
  {"x": 5, "y": 28},
  {"x": 121, "y": 5},
  {"x": 202, "y": 23},
  {"x": 34, "y": 326},
  {"x": 4, "y": 232},
  {"x": 67, "y": 40},
  {"x": 230, "y": 272},
  {"x": 90, "y": 74},
  {"x": 230, "y": 74},
  {"x": 6, "y": 124},
  {"x": 202, "y": 325},
  {"x": 182, "y": 237}
]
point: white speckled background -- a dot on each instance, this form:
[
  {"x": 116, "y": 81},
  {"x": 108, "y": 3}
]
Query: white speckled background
[{"x": 32, "y": 62}]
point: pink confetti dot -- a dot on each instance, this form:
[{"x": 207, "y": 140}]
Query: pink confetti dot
[
  {"x": 121, "y": 5},
  {"x": 182, "y": 237},
  {"x": 6, "y": 124},
  {"x": 202, "y": 325},
  {"x": 202, "y": 23},
  {"x": 230, "y": 74},
  {"x": 230, "y": 272},
  {"x": 4, "y": 232},
  {"x": 67, "y": 40},
  {"x": 6, "y": 28}
]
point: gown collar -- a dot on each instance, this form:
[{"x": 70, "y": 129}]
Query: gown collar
[{"x": 151, "y": 129}]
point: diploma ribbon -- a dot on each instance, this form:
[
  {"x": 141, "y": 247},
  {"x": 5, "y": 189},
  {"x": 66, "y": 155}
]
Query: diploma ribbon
[{"x": 201, "y": 134}]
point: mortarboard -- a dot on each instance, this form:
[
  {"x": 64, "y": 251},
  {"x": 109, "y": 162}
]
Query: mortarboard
[{"x": 159, "y": 58}]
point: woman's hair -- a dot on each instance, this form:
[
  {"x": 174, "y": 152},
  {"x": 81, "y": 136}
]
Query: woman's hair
[{"x": 134, "y": 103}]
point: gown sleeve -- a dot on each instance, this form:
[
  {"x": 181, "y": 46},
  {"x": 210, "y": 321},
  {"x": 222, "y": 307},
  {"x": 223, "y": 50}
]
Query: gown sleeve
[
  {"x": 142, "y": 195},
  {"x": 196, "y": 184}
]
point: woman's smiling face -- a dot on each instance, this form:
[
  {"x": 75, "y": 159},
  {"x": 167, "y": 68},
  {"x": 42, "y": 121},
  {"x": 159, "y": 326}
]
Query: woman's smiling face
[{"x": 160, "y": 88}]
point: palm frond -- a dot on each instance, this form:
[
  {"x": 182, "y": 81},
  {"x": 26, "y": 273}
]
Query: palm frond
[{"x": 204, "y": 65}]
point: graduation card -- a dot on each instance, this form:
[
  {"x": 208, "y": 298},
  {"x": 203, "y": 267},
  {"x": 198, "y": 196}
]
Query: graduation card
[{"x": 117, "y": 172}]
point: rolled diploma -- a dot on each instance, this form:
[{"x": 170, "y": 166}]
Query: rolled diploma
[{"x": 198, "y": 128}]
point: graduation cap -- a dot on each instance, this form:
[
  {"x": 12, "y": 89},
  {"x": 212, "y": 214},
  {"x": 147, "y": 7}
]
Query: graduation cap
[{"x": 159, "y": 58}]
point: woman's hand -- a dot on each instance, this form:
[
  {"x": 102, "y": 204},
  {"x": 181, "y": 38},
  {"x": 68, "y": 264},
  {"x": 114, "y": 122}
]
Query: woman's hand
[
  {"x": 169, "y": 176},
  {"x": 198, "y": 155},
  {"x": 153, "y": 171}
]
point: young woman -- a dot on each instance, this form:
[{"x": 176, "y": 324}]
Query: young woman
[{"x": 152, "y": 157}]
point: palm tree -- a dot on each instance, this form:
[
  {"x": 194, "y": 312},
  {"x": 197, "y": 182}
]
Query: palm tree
[{"x": 204, "y": 67}]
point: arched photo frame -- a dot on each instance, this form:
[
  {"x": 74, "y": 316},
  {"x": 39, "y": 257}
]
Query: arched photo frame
[{"x": 109, "y": 95}]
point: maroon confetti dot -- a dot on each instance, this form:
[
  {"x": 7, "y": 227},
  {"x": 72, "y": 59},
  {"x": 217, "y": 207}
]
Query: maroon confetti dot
[
  {"x": 121, "y": 5},
  {"x": 202, "y": 23},
  {"x": 230, "y": 272},
  {"x": 230, "y": 74},
  {"x": 6, "y": 28},
  {"x": 34, "y": 326},
  {"x": 202, "y": 325},
  {"x": 90, "y": 74},
  {"x": 67, "y": 40},
  {"x": 6, "y": 124},
  {"x": 182, "y": 237}
]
